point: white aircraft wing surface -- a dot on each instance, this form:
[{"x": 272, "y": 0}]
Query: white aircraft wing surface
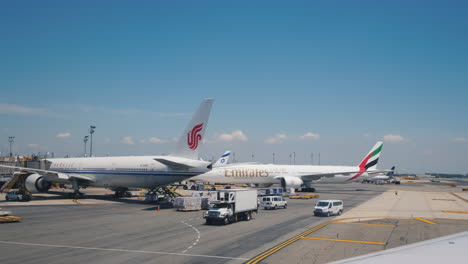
[
  {"x": 318, "y": 176},
  {"x": 50, "y": 174},
  {"x": 447, "y": 249}
]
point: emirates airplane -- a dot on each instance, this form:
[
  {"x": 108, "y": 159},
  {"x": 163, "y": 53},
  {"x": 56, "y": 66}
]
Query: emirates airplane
[
  {"x": 293, "y": 176},
  {"x": 121, "y": 173}
]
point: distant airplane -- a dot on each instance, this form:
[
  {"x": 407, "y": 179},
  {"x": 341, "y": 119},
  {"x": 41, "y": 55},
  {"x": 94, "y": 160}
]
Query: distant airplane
[
  {"x": 382, "y": 177},
  {"x": 121, "y": 173},
  {"x": 223, "y": 160},
  {"x": 293, "y": 176}
]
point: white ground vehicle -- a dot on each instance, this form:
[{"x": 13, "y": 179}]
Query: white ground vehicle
[
  {"x": 328, "y": 207},
  {"x": 17, "y": 196},
  {"x": 229, "y": 206},
  {"x": 273, "y": 202}
]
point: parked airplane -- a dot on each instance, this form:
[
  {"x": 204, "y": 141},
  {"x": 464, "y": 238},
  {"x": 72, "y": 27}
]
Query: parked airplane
[
  {"x": 382, "y": 177},
  {"x": 121, "y": 173},
  {"x": 293, "y": 176},
  {"x": 223, "y": 160}
]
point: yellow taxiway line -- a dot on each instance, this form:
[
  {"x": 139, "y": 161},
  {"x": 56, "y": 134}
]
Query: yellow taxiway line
[
  {"x": 425, "y": 220},
  {"x": 349, "y": 223},
  {"x": 284, "y": 244},
  {"x": 455, "y": 212},
  {"x": 345, "y": 240}
]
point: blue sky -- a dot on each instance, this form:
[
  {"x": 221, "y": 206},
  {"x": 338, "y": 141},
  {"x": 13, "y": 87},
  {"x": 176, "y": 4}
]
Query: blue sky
[{"x": 347, "y": 72}]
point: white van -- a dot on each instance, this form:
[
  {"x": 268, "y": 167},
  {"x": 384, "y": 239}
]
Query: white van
[
  {"x": 273, "y": 202},
  {"x": 328, "y": 207}
]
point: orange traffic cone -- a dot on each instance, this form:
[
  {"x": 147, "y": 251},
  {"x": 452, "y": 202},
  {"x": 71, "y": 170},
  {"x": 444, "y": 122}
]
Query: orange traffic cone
[{"x": 159, "y": 208}]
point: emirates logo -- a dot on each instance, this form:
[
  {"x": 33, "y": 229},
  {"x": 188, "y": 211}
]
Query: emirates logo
[{"x": 193, "y": 136}]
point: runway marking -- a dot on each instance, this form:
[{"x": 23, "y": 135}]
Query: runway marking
[
  {"x": 425, "y": 220},
  {"x": 345, "y": 240},
  {"x": 444, "y": 200},
  {"x": 285, "y": 244},
  {"x": 198, "y": 235},
  {"x": 349, "y": 223},
  {"x": 121, "y": 250},
  {"x": 459, "y": 197},
  {"x": 455, "y": 212}
]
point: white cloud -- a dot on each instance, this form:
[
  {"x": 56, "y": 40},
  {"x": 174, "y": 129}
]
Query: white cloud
[
  {"x": 128, "y": 140},
  {"x": 276, "y": 139},
  {"x": 156, "y": 140},
  {"x": 63, "y": 135},
  {"x": 236, "y": 135},
  {"x": 33, "y": 145},
  {"x": 310, "y": 135},
  {"x": 393, "y": 138},
  {"x": 26, "y": 110},
  {"x": 459, "y": 139}
]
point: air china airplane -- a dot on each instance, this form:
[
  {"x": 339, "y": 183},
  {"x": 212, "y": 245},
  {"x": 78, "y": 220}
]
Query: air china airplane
[
  {"x": 293, "y": 176},
  {"x": 121, "y": 173}
]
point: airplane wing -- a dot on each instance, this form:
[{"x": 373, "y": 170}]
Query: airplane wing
[
  {"x": 50, "y": 174},
  {"x": 173, "y": 165},
  {"x": 318, "y": 176}
]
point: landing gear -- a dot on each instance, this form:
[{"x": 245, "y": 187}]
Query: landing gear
[{"x": 122, "y": 192}]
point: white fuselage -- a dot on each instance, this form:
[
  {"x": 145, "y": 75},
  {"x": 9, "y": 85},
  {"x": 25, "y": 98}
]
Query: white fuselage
[
  {"x": 379, "y": 178},
  {"x": 114, "y": 172},
  {"x": 271, "y": 174}
]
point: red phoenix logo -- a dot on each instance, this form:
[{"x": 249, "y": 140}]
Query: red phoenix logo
[{"x": 193, "y": 136}]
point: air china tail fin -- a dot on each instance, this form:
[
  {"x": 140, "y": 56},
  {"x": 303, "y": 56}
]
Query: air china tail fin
[
  {"x": 370, "y": 160},
  {"x": 190, "y": 141},
  {"x": 391, "y": 173},
  {"x": 223, "y": 160}
]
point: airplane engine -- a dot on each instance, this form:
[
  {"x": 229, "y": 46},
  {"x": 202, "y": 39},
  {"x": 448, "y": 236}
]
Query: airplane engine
[
  {"x": 35, "y": 183},
  {"x": 291, "y": 182}
]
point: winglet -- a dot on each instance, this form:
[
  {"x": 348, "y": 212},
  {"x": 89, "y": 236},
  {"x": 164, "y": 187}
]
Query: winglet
[{"x": 189, "y": 142}]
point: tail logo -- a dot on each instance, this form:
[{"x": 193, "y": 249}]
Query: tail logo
[{"x": 193, "y": 136}]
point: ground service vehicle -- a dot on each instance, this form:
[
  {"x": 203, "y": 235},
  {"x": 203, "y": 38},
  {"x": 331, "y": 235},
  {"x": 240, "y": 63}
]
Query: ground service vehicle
[
  {"x": 328, "y": 207},
  {"x": 17, "y": 196},
  {"x": 228, "y": 206},
  {"x": 273, "y": 202}
]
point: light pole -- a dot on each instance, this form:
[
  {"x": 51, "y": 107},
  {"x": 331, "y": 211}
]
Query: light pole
[
  {"x": 319, "y": 158},
  {"x": 294, "y": 158},
  {"x": 273, "y": 158},
  {"x": 85, "y": 139},
  {"x": 312, "y": 158},
  {"x": 11, "y": 139},
  {"x": 91, "y": 132}
]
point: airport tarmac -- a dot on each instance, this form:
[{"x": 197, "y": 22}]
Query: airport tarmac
[{"x": 102, "y": 230}]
